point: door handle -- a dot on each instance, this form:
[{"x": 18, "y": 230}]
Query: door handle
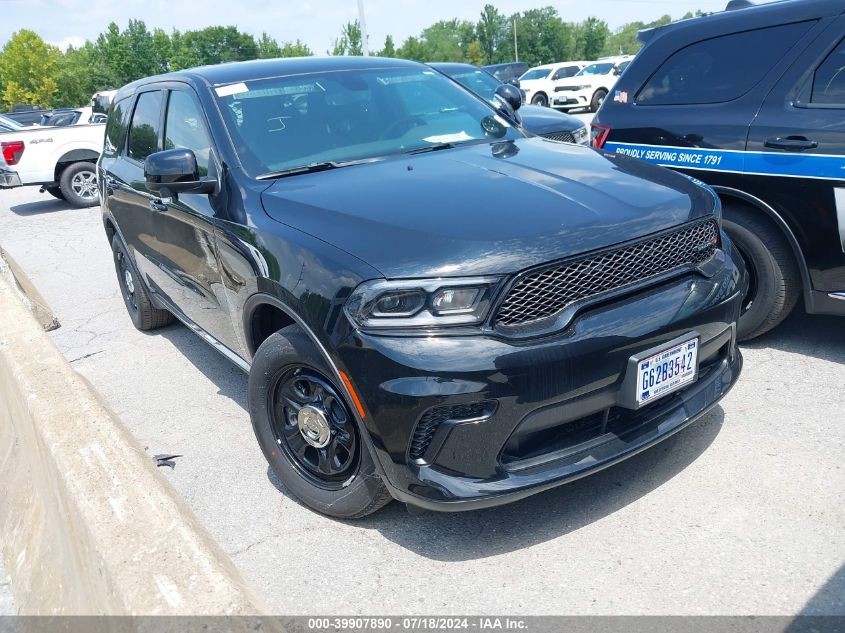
[
  {"x": 791, "y": 143},
  {"x": 159, "y": 205}
]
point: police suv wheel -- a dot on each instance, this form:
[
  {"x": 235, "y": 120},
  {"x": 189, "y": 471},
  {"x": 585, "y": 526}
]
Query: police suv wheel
[
  {"x": 145, "y": 316},
  {"x": 598, "y": 99},
  {"x": 775, "y": 282},
  {"x": 307, "y": 429},
  {"x": 541, "y": 100}
]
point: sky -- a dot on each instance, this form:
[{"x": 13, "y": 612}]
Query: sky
[{"x": 315, "y": 22}]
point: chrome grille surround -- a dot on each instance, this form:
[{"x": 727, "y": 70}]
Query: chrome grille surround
[{"x": 543, "y": 293}]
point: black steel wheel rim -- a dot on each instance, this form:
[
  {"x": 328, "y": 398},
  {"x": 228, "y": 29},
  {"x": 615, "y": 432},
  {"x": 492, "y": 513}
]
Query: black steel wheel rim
[
  {"x": 127, "y": 281},
  {"x": 328, "y": 466},
  {"x": 748, "y": 300}
]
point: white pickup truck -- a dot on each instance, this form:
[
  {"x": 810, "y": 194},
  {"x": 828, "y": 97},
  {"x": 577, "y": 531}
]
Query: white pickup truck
[{"x": 61, "y": 160}]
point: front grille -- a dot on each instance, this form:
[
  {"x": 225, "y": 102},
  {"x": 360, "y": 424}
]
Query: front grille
[
  {"x": 564, "y": 137},
  {"x": 431, "y": 420},
  {"x": 547, "y": 291}
]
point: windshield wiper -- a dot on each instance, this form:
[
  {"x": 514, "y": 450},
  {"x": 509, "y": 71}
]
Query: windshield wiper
[
  {"x": 303, "y": 169},
  {"x": 431, "y": 148},
  {"x": 315, "y": 167}
]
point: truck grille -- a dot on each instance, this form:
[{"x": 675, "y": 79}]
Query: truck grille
[
  {"x": 564, "y": 137},
  {"x": 547, "y": 291}
]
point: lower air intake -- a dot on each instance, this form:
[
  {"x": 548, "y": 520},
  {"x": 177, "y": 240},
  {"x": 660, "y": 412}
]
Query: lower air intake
[{"x": 431, "y": 420}]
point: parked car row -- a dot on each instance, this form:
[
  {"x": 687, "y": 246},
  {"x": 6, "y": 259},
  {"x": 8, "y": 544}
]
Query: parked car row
[{"x": 573, "y": 84}]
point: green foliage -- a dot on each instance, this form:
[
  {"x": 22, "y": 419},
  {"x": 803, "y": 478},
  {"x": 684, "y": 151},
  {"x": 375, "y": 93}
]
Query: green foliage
[
  {"x": 590, "y": 38},
  {"x": 28, "y": 70},
  {"x": 624, "y": 41},
  {"x": 389, "y": 49},
  {"x": 492, "y": 31},
  {"x": 349, "y": 42}
]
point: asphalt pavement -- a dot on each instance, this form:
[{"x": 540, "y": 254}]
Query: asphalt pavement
[{"x": 741, "y": 513}]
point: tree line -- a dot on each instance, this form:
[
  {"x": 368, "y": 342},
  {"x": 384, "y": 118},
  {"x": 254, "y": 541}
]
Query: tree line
[{"x": 35, "y": 72}]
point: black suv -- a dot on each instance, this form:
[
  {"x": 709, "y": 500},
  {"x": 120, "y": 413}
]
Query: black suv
[
  {"x": 431, "y": 306},
  {"x": 751, "y": 101}
]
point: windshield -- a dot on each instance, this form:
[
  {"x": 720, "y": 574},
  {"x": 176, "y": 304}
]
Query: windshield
[
  {"x": 535, "y": 73},
  {"x": 285, "y": 123},
  {"x": 480, "y": 82},
  {"x": 596, "y": 69}
]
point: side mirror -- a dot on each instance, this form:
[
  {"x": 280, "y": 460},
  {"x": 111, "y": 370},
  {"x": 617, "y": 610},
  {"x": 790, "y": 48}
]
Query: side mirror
[
  {"x": 175, "y": 171},
  {"x": 513, "y": 81},
  {"x": 510, "y": 95}
]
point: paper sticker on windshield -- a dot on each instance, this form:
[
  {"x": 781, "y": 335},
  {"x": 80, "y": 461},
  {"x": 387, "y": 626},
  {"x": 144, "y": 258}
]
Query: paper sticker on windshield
[
  {"x": 231, "y": 89},
  {"x": 449, "y": 138}
]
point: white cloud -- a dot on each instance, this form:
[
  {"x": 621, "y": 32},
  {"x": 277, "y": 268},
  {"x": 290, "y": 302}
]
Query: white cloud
[{"x": 71, "y": 40}]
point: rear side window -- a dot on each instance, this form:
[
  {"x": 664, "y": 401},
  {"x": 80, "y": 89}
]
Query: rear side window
[
  {"x": 720, "y": 69},
  {"x": 829, "y": 80},
  {"x": 115, "y": 128},
  {"x": 146, "y": 123},
  {"x": 566, "y": 71}
]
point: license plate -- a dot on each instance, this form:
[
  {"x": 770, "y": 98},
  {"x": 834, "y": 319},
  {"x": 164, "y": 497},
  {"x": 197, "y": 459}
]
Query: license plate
[{"x": 667, "y": 371}]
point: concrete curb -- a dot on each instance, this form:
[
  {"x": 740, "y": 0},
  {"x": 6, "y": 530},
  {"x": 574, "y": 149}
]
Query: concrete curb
[
  {"x": 28, "y": 293},
  {"x": 88, "y": 526}
]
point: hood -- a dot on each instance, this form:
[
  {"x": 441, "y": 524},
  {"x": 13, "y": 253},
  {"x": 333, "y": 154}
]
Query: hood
[
  {"x": 540, "y": 120},
  {"x": 485, "y": 208}
]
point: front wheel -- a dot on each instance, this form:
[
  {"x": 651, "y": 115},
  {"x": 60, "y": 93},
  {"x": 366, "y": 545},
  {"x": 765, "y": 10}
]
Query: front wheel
[
  {"x": 307, "y": 431},
  {"x": 598, "y": 99},
  {"x": 78, "y": 184},
  {"x": 540, "y": 99}
]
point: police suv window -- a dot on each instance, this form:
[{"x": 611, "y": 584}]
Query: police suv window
[
  {"x": 829, "y": 79},
  {"x": 146, "y": 122},
  {"x": 184, "y": 127},
  {"x": 720, "y": 69},
  {"x": 565, "y": 72}
]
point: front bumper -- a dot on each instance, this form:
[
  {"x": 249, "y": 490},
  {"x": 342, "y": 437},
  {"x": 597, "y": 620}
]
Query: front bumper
[
  {"x": 572, "y": 99},
  {"x": 9, "y": 179},
  {"x": 543, "y": 411}
]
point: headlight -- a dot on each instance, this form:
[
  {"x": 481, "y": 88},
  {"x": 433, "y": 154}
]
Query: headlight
[
  {"x": 415, "y": 303},
  {"x": 582, "y": 135}
]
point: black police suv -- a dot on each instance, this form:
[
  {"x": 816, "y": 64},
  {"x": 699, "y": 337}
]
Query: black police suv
[
  {"x": 431, "y": 305},
  {"x": 547, "y": 122},
  {"x": 507, "y": 72},
  {"x": 751, "y": 101}
]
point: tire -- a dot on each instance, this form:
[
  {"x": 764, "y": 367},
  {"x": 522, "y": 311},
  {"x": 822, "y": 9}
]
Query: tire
[
  {"x": 540, "y": 99},
  {"x": 145, "y": 316},
  {"x": 78, "y": 184},
  {"x": 355, "y": 489},
  {"x": 775, "y": 281},
  {"x": 598, "y": 98},
  {"x": 56, "y": 192}
]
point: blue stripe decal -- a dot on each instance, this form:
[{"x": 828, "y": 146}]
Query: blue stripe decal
[{"x": 828, "y": 167}]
